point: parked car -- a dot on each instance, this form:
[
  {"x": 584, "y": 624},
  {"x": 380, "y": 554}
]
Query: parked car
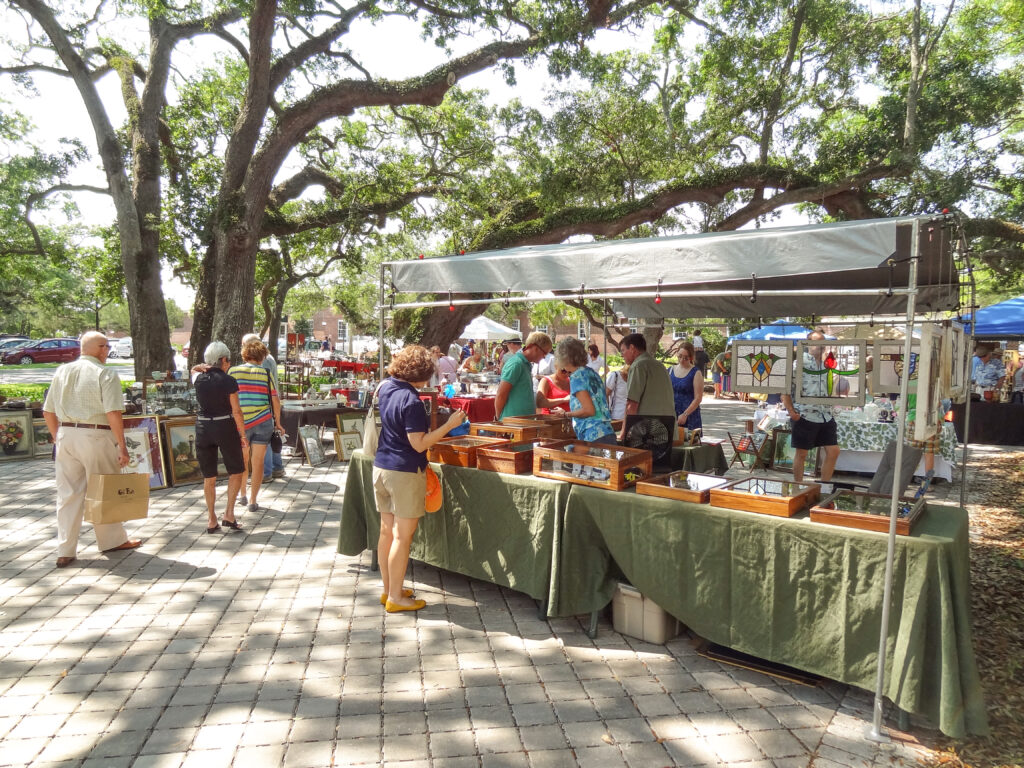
[
  {"x": 122, "y": 347},
  {"x": 10, "y": 342},
  {"x": 45, "y": 351}
]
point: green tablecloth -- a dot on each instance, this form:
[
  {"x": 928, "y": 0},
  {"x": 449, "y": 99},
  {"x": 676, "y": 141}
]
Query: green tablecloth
[
  {"x": 794, "y": 592},
  {"x": 494, "y": 527},
  {"x": 706, "y": 459}
]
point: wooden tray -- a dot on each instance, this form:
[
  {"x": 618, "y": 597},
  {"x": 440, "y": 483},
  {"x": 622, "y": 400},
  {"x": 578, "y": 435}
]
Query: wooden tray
[
  {"x": 684, "y": 486},
  {"x": 461, "y": 451},
  {"x": 511, "y": 459},
  {"x": 782, "y": 498},
  {"x": 559, "y": 425},
  {"x": 866, "y": 511},
  {"x": 597, "y": 464},
  {"x": 517, "y": 433}
]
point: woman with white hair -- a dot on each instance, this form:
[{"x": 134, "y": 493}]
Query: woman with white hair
[{"x": 219, "y": 426}]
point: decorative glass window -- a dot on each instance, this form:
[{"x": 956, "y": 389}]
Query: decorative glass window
[
  {"x": 929, "y": 383},
  {"x": 762, "y": 366},
  {"x": 830, "y": 372},
  {"x": 955, "y": 361},
  {"x": 887, "y": 367},
  {"x": 342, "y": 332}
]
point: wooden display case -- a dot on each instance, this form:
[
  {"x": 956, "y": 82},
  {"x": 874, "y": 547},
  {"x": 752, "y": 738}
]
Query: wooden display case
[
  {"x": 517, "y": 433},
  {"x": 684, "y": 486},
  {"x": 559, "y": 424},
  {"x": 782, "y": 498},
  {"x": 461, "y": 451},
  {"x": 598, "y": 464},
  {"x": 513, "y": 459},
  {"x": 866, "y": 511}
]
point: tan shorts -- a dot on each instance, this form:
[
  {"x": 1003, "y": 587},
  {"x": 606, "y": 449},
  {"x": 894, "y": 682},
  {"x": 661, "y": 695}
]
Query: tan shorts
[{"x": 402, "y": 494}]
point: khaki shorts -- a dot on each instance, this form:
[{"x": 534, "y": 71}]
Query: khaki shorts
[{"x": 402, "y": 494}]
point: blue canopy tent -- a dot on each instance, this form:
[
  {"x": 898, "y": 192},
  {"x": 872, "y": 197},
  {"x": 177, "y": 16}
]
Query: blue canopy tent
[
  {"x": 1004, "y": 320},
  {"x": 780, "y": 329}
]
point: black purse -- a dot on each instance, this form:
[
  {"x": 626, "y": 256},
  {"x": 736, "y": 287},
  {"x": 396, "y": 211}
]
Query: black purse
[{"x": 276, "y": 443}]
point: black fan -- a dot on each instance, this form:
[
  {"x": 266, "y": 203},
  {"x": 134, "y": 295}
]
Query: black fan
[{"x": 652, "y": 433}]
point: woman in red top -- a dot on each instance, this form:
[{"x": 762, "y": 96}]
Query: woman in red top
[{"x": 553, "y": 392}]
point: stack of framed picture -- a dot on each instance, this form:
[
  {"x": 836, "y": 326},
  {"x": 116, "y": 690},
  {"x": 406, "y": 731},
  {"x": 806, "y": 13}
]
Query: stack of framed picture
[{"x": 20, "y": 435}]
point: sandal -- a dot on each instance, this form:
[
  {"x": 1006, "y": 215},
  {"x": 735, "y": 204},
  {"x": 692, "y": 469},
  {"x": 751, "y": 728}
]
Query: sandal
[
  {"x": 232, "y": 524},
  {"x": 213, "y": 530}
]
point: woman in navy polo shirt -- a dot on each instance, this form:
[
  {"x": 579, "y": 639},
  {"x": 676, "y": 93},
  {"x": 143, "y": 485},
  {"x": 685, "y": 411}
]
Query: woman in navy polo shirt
[{"x": 399, "y": 468}]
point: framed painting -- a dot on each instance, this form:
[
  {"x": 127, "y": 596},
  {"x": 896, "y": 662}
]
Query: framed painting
[
  {"x": 887, "y": 371},
  {"x": 955, "y": 360},
  {"x": 762, "y": 366},
  {"x": 929, "y": 383},
  {"x": 830, "y": 372},
  {"x": 313, "y": 449},
  {"x": 17, "y": 435},
  {"x": 350, "y": 423},
  {"x": 180, "y": 442},
  {"x": 42, "y": 443},
  {"x": 345, "y": 443},
  {"x": 142, "y": 436},
  {"x": 784, "y": 453}
]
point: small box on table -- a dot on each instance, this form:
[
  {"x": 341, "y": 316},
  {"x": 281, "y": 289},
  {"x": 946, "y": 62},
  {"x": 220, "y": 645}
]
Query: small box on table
[
  {"x": 640, "y": 617},
  {"x": 597, "y": 464},
  {"x": 560, "y": 424},
  {"x": 867, "y": 511},
  {"x": 512, "y": 458},
  {"x": 517, "y": 432},
  {"x": 682, "y": 485},
  {"x": 461, "y": 451},
  {"x": 782, "y": 498}
]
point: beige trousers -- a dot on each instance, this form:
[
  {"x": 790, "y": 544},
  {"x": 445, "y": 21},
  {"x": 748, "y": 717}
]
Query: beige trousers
[{"x": 80, "y": 453}]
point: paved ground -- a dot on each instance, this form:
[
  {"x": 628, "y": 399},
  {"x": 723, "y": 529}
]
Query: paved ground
[{"x": 268, "y": 649}]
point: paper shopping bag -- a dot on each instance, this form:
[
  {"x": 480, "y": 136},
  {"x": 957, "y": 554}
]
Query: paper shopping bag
[{"x": 116, "y": 498}]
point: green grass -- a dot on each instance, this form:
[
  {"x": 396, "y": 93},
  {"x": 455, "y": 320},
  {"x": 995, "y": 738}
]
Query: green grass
[{"x": 33, "y": 366}]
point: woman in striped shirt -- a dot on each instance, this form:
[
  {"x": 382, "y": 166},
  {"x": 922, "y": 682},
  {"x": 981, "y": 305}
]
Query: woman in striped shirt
[{"x": 261, "y": 409}]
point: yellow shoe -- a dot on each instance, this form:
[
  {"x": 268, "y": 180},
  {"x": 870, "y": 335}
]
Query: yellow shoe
[
  {"x": 405, "y": 593},
  {"x": 395, "y": 607}
]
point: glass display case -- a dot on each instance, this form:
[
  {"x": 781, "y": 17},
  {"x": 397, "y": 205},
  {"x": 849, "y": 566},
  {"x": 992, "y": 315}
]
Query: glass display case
[
  {"x": 867, "y": 511},
  {"x": 598, "y": 464},
  {"x": 782, "y": 498},
  {"x": 683, "y": 486},
  {"x": 461, "y": 451},
  {"x": 518, "y": 432},
  {"x": 560, "y": 424},
  {"x": 512, "y": 459},
  {"x": 168, "y": 398}
]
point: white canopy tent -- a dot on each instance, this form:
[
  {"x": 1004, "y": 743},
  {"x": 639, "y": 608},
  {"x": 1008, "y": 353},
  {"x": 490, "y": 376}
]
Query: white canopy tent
[
  {"x": 880, "y": 266},
  {"x": 484, "y": 328}
]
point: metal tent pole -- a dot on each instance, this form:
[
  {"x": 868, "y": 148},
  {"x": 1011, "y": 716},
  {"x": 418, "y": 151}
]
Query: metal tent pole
[
  {"x": 380, "y": 328},
  {"x": 875, "y": 732},
  {"x": 967, "y": 402}
]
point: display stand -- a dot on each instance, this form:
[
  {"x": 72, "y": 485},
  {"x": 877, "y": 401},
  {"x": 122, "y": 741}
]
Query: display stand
[
  {"x": 746, "y": 446},
  {"x": 294, "y": 382}
]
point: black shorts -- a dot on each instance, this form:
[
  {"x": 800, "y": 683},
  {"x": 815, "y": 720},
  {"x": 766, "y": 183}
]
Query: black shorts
[
  {"x": 813, "y": 434},
  {"x": 222, "y": 434}
]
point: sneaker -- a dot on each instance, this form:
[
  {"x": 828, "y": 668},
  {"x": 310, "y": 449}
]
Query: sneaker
[
  {"x": 253, "y": 507},
  {"x": 278, "y": 473},
  {"x": 267, "y": 478}
]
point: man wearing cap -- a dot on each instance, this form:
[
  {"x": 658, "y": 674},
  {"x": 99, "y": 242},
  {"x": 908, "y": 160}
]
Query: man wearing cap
[
  {"x": 987, "y": 373},
  {"x": 512, "y": 345},
  {"x": 515, "y": 392},
  {"x": 83, "y": 414}
]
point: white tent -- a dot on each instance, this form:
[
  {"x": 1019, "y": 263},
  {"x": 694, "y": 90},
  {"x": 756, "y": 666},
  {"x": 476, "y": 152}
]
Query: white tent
[{"x": 484, "y": 328}]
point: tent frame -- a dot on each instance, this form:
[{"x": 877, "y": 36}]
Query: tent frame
[{"x": 910, "y": 291}]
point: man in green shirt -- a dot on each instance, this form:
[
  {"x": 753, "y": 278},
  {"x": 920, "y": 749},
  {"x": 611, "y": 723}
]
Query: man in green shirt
[
  {"x": 515, "y": 392},
  {"x": 650, "y": 389}
]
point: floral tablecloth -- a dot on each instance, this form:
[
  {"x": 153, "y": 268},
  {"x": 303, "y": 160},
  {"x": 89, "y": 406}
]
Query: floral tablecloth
[{"x": 874, "y": 436}]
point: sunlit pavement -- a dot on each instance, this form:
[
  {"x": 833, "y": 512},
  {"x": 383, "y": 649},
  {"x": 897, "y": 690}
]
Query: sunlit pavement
[{"x": 269, "y": 649}]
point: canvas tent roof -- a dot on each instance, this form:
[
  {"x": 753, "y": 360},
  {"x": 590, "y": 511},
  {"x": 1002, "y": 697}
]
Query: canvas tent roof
[
  {"x": 1004, "y": 320},
  {"x": 842, "y": 257},
  {"x": 484, "y": 328}
]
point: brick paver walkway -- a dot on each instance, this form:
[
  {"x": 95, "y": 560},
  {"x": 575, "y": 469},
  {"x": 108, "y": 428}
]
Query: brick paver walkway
[{"x": 268, "y": 649}]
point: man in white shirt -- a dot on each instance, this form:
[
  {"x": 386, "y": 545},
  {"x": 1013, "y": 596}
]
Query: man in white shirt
[{"x": 83, "y": 414}]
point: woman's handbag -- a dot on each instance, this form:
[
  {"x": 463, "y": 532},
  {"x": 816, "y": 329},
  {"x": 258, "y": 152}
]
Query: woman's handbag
[{"x": 370, "y": 433}]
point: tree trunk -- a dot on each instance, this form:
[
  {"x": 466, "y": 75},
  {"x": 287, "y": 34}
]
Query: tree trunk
[
  {"x": 277, "y": 310},
  {"x": 235, "y": 283},
  {"x": 202, "y": 310},
  {"x": 441, "y": 326},
  {"x": 654, "y": 328}
]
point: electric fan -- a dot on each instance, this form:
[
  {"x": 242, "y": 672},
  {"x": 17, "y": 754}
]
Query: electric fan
[{"x": 652, "y": 433}]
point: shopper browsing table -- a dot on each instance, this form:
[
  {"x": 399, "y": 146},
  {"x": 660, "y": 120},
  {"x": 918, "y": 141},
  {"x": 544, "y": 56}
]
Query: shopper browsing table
[
  {"x": 515, "y": 392},
  {"x": 399, "y": 469},
  {"x": 553, "y": 392},
  {"x": 616, "y": 387},
  {"x": 813, "y": 426},
  {"x": 83, "y": 414},
  {"x": 649, "y": 390},
  {"x": 219, "y": 426},
  {"x": 588, "y": 406}
]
